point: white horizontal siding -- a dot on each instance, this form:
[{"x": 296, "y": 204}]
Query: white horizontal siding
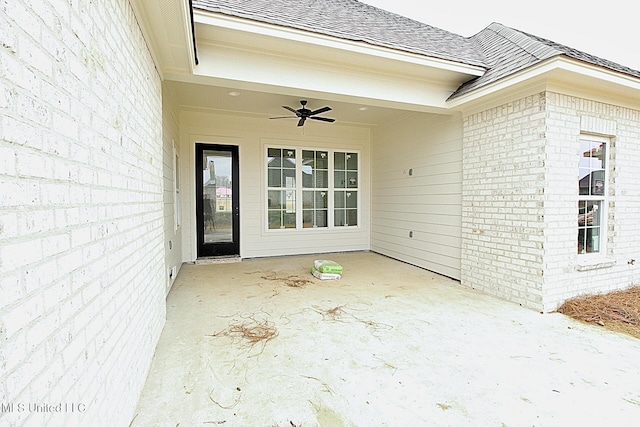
[{"x": 417, "y": 188}]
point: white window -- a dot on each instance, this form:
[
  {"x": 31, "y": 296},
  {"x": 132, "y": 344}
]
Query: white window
[
  {"x": 177, "y": 210},
  {"x": 281, "y": 183},
  {"x": 309, "y": 189},
  {"x": 345, "y": 174},
  {"x": 593, "y": 190},
  {"x": 315, "y": 189}
]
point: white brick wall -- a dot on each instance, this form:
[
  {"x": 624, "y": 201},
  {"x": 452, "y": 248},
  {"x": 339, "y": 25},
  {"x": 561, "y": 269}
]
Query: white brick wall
[
  {"x": 567, "y": 273},
  {"x": 82, "y": 279},
  {"x": 520, "y": 198},
  {"x": 503, "y": 201}
]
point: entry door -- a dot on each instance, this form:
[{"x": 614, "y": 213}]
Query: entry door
[{"x": 217, "y": 200}]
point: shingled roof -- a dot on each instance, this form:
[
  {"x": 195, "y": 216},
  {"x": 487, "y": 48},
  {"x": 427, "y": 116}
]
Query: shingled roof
[
  {"x": 507, "y": 50},
  {"x": 354, "y": 21},
  {"x": 501, "y": 50}
]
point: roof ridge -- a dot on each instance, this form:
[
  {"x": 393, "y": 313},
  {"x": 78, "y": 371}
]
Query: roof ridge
[{"x": 527, "y": 42}]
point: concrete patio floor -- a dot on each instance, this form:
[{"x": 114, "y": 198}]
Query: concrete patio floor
[{"x": 389, "y": 344}]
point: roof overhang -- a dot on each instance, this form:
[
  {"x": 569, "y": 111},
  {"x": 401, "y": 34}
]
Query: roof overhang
[
  {"x": 558, "y": 74},
  {"x": 166, "y": 25},
  {"x": 257, "y": 56}
]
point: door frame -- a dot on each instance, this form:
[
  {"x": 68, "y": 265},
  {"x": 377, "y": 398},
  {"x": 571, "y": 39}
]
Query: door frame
[{"x": 217, "y": 249}]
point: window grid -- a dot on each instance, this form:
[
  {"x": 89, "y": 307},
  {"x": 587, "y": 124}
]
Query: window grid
[
  {"x": 281, "y": 183},
  {"x": 315, "y": 175},
  {"x": 593, "y": 190},
  {"x": 311, "y": 188},
  {"x": 345, "y": 201}
]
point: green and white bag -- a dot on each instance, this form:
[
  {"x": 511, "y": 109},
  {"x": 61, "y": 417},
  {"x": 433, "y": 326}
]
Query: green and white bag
[
  {"x": 326, "y": 266},
  {"x": 326, "y": 270}
]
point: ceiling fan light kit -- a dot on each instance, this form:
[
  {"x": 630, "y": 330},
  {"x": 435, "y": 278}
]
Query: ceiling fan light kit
[{"x": 302, "y": 114}]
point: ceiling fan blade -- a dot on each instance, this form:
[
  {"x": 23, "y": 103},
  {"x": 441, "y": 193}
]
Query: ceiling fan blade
[
  {"x": 290, "y": 109},
  {"x": 324, "y": 119},
  {"x": 320, "y": 110},
  {"x": 284, "y": 117},
  {"x": 301, "y": 122}
]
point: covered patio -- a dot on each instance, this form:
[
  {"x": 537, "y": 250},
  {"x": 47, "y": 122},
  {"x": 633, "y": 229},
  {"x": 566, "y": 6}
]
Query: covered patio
[{"x": 263, "y": 343}]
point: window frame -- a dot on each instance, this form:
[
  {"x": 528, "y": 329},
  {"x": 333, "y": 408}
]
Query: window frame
[
  {"x": 177, "y": 199},
  {"x": 602, "y": 199},
  {"x": 314, "y": 189},
  {"x": 288, "y": 203},
  {"x": 299, "y": 188}
]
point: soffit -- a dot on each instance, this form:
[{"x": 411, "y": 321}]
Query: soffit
[{"x": 167, "y": 28}]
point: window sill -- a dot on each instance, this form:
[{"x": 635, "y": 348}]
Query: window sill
[{"x": 594, "y": 264}]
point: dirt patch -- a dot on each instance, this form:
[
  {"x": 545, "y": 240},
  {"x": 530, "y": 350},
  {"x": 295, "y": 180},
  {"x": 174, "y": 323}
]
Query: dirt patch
[{"x": 617, "y": 311}]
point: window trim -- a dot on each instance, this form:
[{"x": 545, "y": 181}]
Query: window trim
[
  {"x": 299, "y": 189},
  {"x": 604, "y": 198},
  {"x": 177, "y": 202}
]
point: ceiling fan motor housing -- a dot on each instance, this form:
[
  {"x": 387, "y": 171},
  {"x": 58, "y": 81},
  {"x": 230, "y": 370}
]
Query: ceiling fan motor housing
[{"x": 304, "y": 113}]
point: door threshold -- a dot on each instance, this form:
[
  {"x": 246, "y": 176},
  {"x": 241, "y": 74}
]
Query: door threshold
[{"x": 218, "y": 259}]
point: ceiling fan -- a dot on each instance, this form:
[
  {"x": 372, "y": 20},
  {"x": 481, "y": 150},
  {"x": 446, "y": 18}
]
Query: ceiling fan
[{"x": 304, "y": 113}]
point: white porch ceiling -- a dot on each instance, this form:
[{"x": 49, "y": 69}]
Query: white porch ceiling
[{"x": 200, "y": 97}]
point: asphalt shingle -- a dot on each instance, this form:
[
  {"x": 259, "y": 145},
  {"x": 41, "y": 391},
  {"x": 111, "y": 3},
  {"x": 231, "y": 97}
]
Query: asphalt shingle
[{"x": 354, "y": 21}]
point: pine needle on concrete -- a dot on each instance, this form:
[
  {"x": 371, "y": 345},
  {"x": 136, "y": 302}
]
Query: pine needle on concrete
[
  {"x": 252, "y": 331},
  {"x": 618, "y": 311},
  {"x": 292, "y": 281}
]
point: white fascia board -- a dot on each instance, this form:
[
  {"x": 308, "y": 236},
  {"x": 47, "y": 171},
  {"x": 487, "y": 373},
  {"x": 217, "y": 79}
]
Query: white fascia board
[
  {"x": 239, "y": 24},
  {"x": 220, "y": 66},
  {"x": 169, "y": 54},
  {"x": 139, "y": 11},
  {"x": 557, "y": 70},
  {"x": 188, "y": 33}
]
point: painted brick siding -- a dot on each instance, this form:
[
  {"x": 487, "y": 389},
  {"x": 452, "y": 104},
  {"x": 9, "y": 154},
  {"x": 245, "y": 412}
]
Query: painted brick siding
[
  {"x": 520, "y": 198},
  {"x": 567, "y": 273},
  {"x": 82, "y": 280},
  {"x": 503, "y": 201}
]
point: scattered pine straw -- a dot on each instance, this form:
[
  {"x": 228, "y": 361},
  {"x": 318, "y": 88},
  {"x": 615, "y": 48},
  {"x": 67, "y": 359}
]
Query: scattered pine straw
[
  {"x": 334, "y": 313},
  {"x": 291, "y": 281},
  {"x": 617, "y": 311},
  {"x": 339, "y": 314},
  {"x": 251, "y": 331}
]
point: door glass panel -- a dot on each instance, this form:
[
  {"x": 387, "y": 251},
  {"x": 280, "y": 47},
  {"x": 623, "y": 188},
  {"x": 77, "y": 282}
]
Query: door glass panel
[{"x": 217, "y": 196}]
